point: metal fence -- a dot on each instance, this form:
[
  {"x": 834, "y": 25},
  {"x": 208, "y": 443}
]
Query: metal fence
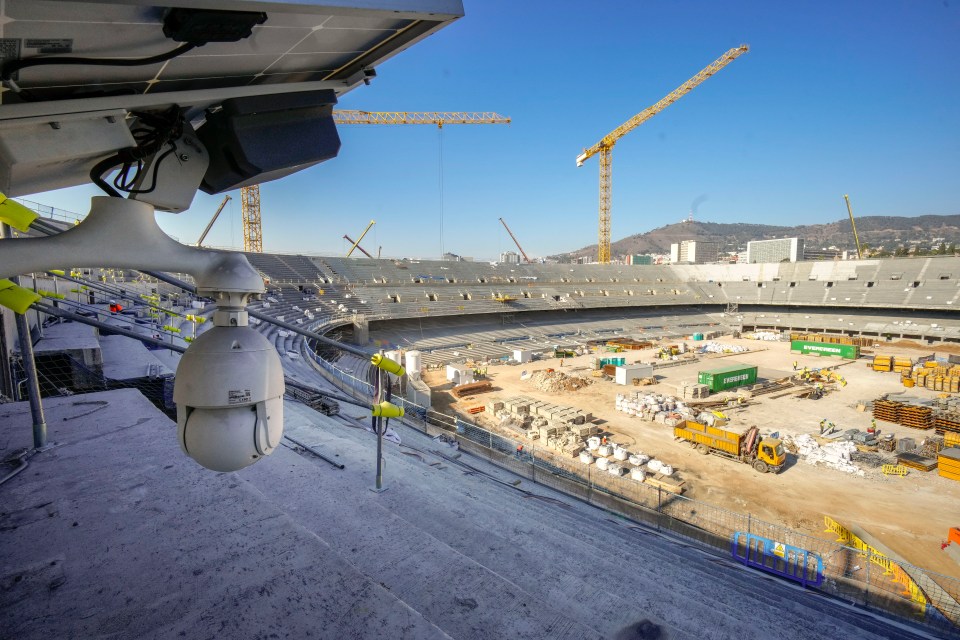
[{"x": 861, "y": 576}]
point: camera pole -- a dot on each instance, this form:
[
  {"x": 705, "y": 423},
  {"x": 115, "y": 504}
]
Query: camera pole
[{"x": 378, "y": 427}]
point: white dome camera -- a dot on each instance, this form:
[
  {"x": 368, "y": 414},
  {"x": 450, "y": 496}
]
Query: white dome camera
[{"x": 229, "y": 394}]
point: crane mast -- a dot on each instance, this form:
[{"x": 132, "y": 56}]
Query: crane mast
[
  {"x": 605, "y": 146},
  {"x": 853, "y": 225},
  {"x": 250, "y": 212},
  {"x": 515, "y": 241}
]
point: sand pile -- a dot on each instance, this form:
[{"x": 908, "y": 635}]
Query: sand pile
[{"x": 557, "y": 382}]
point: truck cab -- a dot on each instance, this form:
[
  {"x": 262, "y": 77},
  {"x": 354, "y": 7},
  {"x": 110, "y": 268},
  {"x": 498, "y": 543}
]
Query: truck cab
[{"x": 770, "y": 455}]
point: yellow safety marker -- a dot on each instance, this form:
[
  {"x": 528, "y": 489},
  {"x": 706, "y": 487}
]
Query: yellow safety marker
[
  {"x": 387, "y": 365},
  {"x": 58, "y": 272},
  {"x": 386, "y": 409},
  {"x": 15, "y": 214},
  {"x": 16, "y": 297}
]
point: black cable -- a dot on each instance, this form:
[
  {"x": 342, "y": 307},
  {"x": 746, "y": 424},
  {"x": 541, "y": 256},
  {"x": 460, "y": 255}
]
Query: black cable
[
  {"x": 11, "y": 67},
  {"x": 157, "y": 131}
]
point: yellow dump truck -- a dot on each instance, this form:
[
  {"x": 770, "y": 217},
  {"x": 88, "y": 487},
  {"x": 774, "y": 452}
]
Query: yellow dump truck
[{"x": 763, "y": 454}]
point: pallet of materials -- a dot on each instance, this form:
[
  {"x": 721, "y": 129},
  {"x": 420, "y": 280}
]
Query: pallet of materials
[
  {"x": 948, "y": 424},
  {"x": 667, "y": 483},
  {"x": 920, "y": 463},
  {"x": 472, "y": 388},
  {"x": 949, "y": 463}
]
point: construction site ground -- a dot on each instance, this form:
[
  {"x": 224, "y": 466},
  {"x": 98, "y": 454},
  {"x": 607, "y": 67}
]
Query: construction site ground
[{"x": 911, "y": 514}]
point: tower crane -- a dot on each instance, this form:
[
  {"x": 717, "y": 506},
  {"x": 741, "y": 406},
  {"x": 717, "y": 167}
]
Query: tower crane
[
  {"x": 606, "y": 144},
  {"x": 252, "y": 231},
  {"x": 515, "y": 241},
  {"x": 853, "y": 225}
]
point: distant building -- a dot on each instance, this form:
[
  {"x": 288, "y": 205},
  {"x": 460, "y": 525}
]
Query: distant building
[
  {"x": 639, "y": 259},
  {"x": 777, "y": 250},
  {"x": 824, "y": 254},
  {"x": 694, "y": 252},
  {"x": 510, "y": 257}
]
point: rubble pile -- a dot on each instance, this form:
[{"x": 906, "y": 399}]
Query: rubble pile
[
  {"x": 557, "y": 382},
  {"x": 836, "y": 455}
]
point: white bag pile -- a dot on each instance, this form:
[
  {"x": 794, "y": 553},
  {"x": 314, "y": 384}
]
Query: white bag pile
[
  {"x": 604, "y": 450},
  {"x": 620, "y": 453},
  {"x": 586, "y": 458},
  {"x": 593, "y": 443},
  {"x": 835, "y": 455},
  {"x": 637, "y": 474},
  {"x": 719, "y": 347},
  {"x": 616, "y": 470},
  {"x": 602, "y": 464},
  {"x": 648, "y": 405},
  {"x": 639, "y": 459}
]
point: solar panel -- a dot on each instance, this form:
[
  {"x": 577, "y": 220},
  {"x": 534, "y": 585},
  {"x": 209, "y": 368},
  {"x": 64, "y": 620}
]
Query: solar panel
[{"x": 302, "y": 45}]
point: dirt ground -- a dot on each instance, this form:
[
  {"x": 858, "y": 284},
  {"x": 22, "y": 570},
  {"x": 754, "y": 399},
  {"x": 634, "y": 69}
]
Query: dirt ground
[{"x": 911, "y": 515}]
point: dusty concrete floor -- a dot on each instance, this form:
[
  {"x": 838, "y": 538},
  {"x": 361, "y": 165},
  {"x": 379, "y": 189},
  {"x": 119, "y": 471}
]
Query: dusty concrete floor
[{"x": 911, "y": 515}]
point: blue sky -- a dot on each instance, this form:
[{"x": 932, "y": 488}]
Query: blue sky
[{"x": 833, "y": 98}]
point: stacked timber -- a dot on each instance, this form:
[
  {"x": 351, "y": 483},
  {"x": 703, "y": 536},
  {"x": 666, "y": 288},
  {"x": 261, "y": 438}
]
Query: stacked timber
[
  {"x": 949, "y": 463},
  {"x": 832, "y": 339},
  {"x": 886, "y": 410},
  {"x": 909, "y": 415},
  {"x": 917, "y": 417}
]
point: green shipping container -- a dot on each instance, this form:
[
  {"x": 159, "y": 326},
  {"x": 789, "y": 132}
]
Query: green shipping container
[
  {"x": 846, "y": 351},
  {"x": 728, "y": 377}
]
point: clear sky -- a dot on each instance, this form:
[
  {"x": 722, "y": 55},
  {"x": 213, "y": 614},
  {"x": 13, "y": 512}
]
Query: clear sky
[{"x": 834, "y": 97}]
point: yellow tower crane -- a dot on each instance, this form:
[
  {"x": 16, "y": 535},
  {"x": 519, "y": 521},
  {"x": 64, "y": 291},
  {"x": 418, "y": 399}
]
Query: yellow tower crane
[
  {"x": 605, "y": 146},
  {"x": 252, "y": 231}
]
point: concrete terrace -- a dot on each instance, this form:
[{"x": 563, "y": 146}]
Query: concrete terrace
[{"x": 112, "y": 532}]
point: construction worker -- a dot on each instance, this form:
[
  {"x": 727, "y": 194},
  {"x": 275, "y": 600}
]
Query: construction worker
[
  {"x": 794, "y": 365},
  {"x": 561, "y": 362},
  {"x": 873, "y": 425},
  {"x": 519, "y": 451}
]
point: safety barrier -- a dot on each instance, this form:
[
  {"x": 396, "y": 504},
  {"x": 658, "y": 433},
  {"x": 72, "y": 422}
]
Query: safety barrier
[
  {"x": 894, "y": 470},
  {"x": 875, "y": 556},
  {"x": 780, "y": 559}
]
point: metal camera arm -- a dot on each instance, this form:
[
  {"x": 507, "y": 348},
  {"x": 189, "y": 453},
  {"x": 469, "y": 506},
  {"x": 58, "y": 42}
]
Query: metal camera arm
[{"x": 124, "y": 234}]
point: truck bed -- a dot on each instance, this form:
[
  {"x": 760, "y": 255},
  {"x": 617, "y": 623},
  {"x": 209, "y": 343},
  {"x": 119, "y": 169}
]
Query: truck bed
[{"x": 713, "y": 437}]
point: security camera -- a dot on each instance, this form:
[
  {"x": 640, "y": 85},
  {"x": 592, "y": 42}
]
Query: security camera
[{"x": 229, "y": 394}]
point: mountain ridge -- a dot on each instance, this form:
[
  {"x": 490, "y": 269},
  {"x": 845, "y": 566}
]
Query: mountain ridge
[{"x": 886, "y": 232}]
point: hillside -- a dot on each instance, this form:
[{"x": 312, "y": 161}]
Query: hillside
[{"x": 888, "y": 232}]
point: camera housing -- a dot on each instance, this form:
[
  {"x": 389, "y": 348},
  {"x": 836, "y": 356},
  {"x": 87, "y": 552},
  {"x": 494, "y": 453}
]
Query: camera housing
[{"x": 229, "y": 393}]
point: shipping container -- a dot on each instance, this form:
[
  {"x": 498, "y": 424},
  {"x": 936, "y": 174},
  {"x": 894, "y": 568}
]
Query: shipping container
[
  {"x": 728, "y": 377},
  {"x": 846, "y": 351}
]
